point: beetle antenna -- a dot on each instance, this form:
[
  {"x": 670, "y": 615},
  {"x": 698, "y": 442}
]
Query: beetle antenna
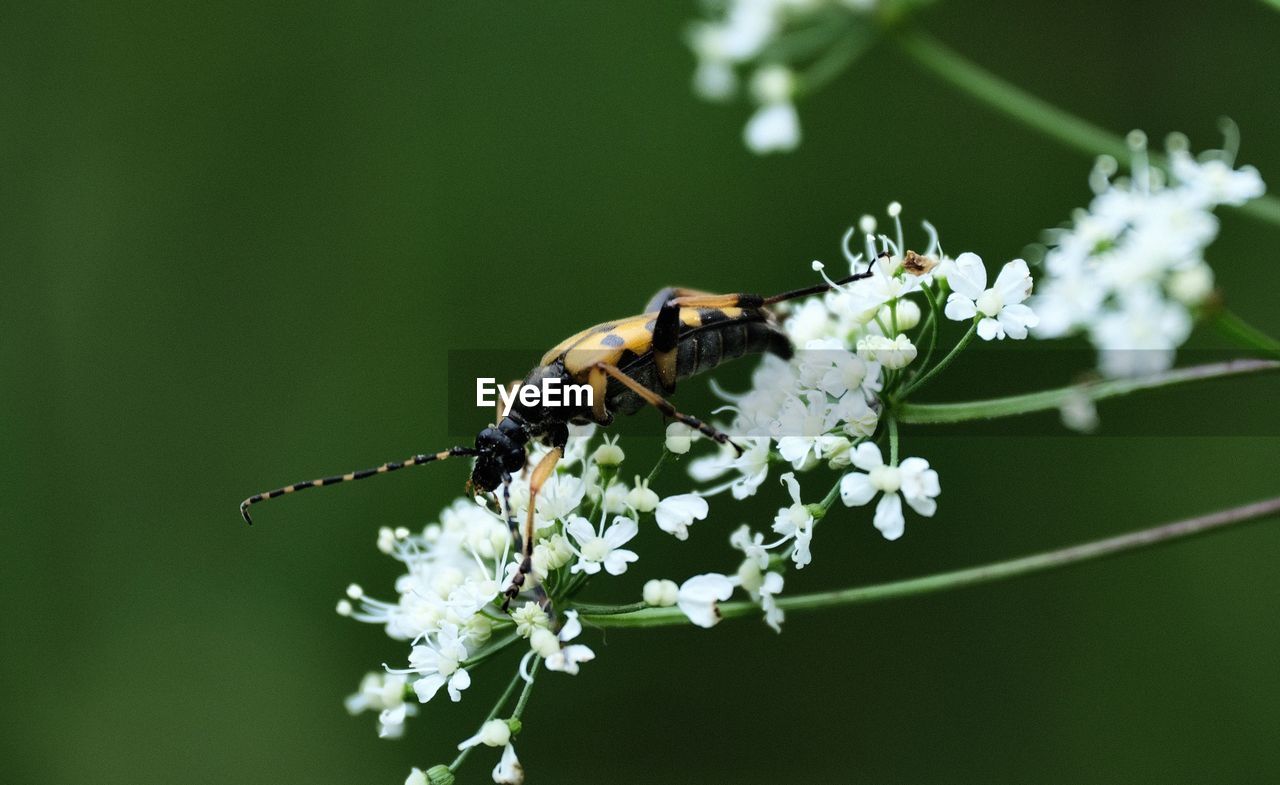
[
  {"x": 819, "y": 288},
  {"x": 391, "y": 466}
]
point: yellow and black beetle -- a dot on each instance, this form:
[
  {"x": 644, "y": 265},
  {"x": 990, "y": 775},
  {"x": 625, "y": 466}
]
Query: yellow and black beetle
[{"x": 628, "y": 363}]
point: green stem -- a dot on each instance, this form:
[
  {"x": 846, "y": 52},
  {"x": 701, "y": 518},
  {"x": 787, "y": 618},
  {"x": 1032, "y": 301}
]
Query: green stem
[
  {"x": 893, "y": 441},
  {"x": 497, "y": 707},
  {"x": 589, "y": 609},
  {"x": 1046, "y": 400},
  {"x": 943, "y": 363},
  {"x": 1036, "y": 113},
  {"x": 835, "y": 61},
  {"x": 490, "y": 650},
  {"x": 528, "y": 688},
  {"x": 930, "y": 325},
  {"x": 1244, "y": 333},
  {"x": 972, "y": 576},
  {"x": 828, "y": 500},
  {"x": 657, "y": 465}
]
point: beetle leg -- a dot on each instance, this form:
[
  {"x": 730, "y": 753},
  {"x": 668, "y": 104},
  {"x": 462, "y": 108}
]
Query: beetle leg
[
  {"x": 540, "y": 475},
  {"x": 663, "y": 405},
  {"x": 666, "y": 339}
]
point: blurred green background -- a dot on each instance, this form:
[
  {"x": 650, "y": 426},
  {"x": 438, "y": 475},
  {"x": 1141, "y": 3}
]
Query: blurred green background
[{"x": 239, "y": 239}]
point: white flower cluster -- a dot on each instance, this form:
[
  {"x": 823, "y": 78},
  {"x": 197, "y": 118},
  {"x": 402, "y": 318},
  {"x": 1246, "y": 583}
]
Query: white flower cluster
[
  {"x": 758, "y": 35},
  {"x": 1130, "y": 270},
  {"x": 859, "y": 348},
  {"x": 448, "y": 598},
  {"x": 825, "y": 405}
]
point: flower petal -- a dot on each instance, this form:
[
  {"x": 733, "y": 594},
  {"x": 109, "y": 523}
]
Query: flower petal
[
  {"x": 1014, "y": 282},
  {"x": 968, "y": 275},
  {"x": 458, "y": 682},
  {"x": 989, "y": 328},
  {"x": 1016, "y": 318},
  {"x": 793, "y": 487},
  {"x": 620, "y": 532},
  {"x": 856, "y": 489},
  {"x": 959, "y": 308},
  {"x": 867, "y": 457},
  {"x": 427, "y": 687},
  {"x": 889, "y": 518},
  {"x": 616, "y": 562},
  {"x": 581, "y": 529}
]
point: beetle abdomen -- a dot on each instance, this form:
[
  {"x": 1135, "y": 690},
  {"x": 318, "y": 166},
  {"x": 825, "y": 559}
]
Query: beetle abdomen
[{"x": 699, "y": 351}]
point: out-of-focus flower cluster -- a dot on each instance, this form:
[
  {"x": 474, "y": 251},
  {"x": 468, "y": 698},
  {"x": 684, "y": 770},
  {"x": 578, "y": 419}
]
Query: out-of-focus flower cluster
[
  {"x": 768, "y": 41},
  {"x": 1130, "y": 271},
  {"x": 859, "y": 348}
]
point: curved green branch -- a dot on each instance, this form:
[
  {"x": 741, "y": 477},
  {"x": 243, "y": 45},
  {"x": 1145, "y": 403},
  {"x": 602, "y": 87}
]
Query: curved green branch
[
  {"x": 1048, "y": 400},
  {"x": 1034, "y": 112},
  {"x": 972, "y": 576}
]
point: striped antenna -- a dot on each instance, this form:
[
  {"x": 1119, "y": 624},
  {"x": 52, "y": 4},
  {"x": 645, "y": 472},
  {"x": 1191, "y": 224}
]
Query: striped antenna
[{"x": 392, "y": 466}]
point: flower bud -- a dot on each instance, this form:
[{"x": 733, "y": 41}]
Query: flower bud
[
  {"x": 641, "y": 499},
  {"x": 749, "y": 575},
  {"x": 773, "y": 84},
  {"x": 495, "y": 733},
  {"x": 679, "y": 438},
  {"x": 661, "y": 593},
  {"x": 608, "y": 454},
  {"x": 544, "y": 642},
  {"x": 1192, "y": 285}
]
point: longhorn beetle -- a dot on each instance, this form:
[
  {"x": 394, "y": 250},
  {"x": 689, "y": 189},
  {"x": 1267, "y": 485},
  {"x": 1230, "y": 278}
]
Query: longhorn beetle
[{"x": 629, "y": 363}]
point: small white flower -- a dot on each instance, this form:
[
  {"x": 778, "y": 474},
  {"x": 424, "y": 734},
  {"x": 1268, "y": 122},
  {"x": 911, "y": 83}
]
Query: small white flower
[
  {"x": 1079, "y": 413},
  {"x": 385, "y": 694},
  {"x": 567, "y": 658},
  {"x": 596, "y": 550},
  {"x": 551, "y": 554},
  {"x": 886, "y": 283},
  {"x": 802, "y": 421},
  {"x": 768, "y": 591},
  {"x": 714, "y": 80},
  {"x": 675, "y": 513},
  {"x": 508, "y": 771},
  {"x": 773, "y": 128},
  {"x": 795, "y": 523},
  {"x": 1213, "y": 182},
  {"x": 751, "y": 545},
  {"x": 699, "y": 595},
  {"x": 892, "y": 353},
  {"x": 560, "y": 496},
  {"x": 847, "y": 373},
  {"x": 391, "y": 721},
  {"x": 753, "y": 465},
  {"x": 416, "y": 777},
  {"x": 1000, "y": 306},
  {"x": 438, "y": 665},
  {"x": 529, "y": 617},
  {"x": 494, "y": 733},
  {"x": 912, "y": 480}
]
